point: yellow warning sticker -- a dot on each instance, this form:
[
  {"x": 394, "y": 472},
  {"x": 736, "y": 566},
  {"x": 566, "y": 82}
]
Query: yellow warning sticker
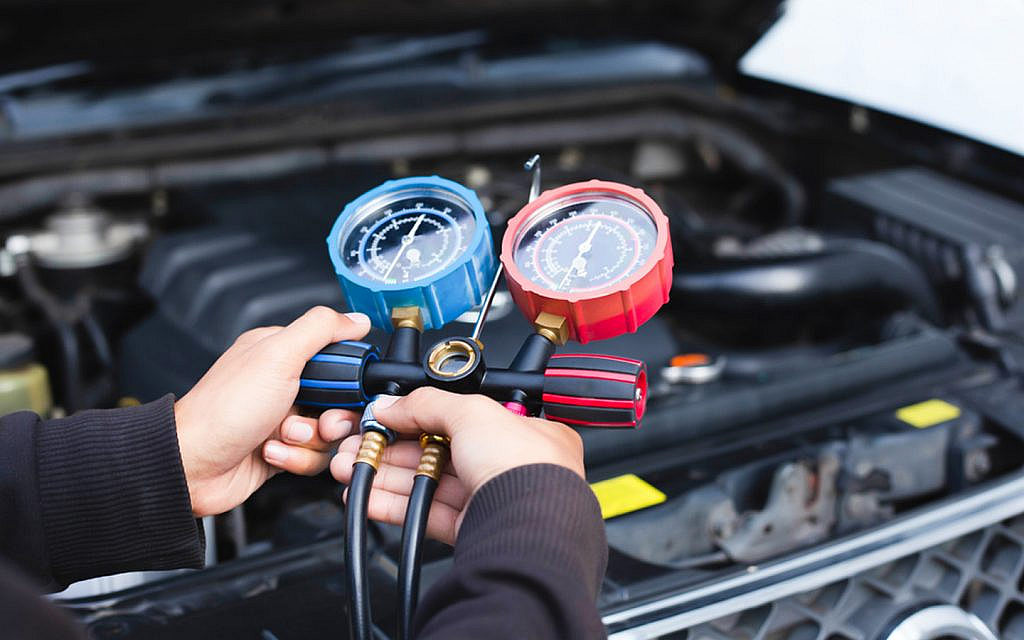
[
  {"x": 625, "y": 494},
  {"x": 928, "y": 413}
]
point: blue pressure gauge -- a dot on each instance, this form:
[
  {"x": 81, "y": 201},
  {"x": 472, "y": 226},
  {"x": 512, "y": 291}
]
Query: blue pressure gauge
[{"x": 422, "y": 242}]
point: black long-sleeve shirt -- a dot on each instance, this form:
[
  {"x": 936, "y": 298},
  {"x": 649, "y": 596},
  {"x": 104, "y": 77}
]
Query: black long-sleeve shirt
[
  {"x": 97, "y": 493},
  {"x": 528, "y": 562},
  {"x": 104, "y": 492}
]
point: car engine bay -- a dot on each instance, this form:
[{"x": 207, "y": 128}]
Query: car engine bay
[{"x": 840, "y": 353}]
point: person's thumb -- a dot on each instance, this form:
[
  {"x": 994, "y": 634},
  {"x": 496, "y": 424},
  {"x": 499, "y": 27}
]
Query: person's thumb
[
  {"x": 314, "y": 330},
  {"x": 432, "y": 410}
]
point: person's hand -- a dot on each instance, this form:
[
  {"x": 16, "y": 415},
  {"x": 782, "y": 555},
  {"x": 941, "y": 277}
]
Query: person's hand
[
  {"x": 236, "y": 426},
  {"x": 487, "y": 440}
]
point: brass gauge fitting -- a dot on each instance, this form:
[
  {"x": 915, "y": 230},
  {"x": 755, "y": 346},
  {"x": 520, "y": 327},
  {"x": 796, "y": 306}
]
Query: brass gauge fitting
[
  {"x": 407, "y": 317},
  {"x": 554, "y": 328}
]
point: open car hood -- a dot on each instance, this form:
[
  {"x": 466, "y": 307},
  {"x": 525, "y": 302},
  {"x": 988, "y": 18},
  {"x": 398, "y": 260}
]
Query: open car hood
[{"x": 951, "y": 67}]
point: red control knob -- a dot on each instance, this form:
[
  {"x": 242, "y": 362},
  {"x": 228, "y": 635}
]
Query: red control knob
[
  {"x": 596, "y": 253},
  {"x": 595, "y": 391}
]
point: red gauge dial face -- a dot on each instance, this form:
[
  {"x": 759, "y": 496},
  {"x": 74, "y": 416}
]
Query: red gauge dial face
[
  {"x": 584, "y": 243},
  {"x": 595, "y": 253}
]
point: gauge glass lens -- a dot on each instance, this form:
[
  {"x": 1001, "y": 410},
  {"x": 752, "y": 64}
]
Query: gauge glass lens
[
  {"x": 585, "y": 242},
  {"x": 407, "y": 236}
]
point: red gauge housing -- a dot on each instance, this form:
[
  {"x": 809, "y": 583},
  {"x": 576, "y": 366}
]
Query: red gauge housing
[{"x": 604, "y": 312}]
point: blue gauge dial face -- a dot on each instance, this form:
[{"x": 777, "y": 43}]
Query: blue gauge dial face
[
  {"x": 407, "y": 236},
  {"x": 585, "y": 243}
]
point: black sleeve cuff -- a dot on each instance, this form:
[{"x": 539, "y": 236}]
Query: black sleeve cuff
[
  {"x": 542, "y": 513},
  {"x": 113, "y": 494}
]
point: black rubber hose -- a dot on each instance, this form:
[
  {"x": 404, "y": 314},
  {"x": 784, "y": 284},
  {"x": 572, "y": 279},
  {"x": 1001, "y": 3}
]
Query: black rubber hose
[
  {"x": 62, "y": 318},
  {"x": 71, "y": 366},
  {"x": 355, "y": 551},
  {"x": 760, "y": 165},
  {"x": 99, "y": 340},
  {"x": 844, "y": 273},
  {"x": 679, "y": 417},
  {"x": 413, "y": 535}
]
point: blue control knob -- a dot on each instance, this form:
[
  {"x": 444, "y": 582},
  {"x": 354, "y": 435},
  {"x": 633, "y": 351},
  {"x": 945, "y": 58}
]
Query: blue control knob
[
  {"x": 422, "y": 242},
  {"x": 334, "y": 376}
]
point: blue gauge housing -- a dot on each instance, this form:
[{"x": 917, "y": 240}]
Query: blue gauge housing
[{"x": 455, "y": 285}]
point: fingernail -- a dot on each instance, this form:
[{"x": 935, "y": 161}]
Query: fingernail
[
  {"x": 298, "y": 432},
  {"x": 275, "y": 452},
  {"x": 384, "y": 401},
  {"x": 359, "y": 318},
  {"x": 336, "y": 429}
]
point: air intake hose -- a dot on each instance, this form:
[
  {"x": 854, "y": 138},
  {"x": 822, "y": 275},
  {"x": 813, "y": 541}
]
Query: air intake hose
[{"x": 842, "y": 273}]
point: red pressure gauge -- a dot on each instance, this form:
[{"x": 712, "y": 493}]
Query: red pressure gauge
[{"x": 596, "y": 253}]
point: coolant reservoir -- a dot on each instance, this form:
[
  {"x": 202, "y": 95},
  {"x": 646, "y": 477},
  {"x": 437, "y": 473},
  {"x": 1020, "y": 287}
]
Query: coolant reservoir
[{"x": 24, "y": 383}]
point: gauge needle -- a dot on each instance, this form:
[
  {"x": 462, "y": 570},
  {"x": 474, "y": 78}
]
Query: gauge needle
[
  {"x": 406, "y": 241},
  {"x": 579, "y": 263}
]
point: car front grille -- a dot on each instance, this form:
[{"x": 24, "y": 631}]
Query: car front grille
[
  {"x": 979, "y": 572},
  {"x": 965, "y": 556}
]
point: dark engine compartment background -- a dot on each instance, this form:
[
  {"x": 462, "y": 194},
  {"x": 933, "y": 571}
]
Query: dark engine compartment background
[{"x": 826, "y": 278}]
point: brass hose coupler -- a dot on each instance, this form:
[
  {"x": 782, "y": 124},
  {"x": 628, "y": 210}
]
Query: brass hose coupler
[
  {"x": 434, "y": 456},
  {"x": 371, "y": 448}
]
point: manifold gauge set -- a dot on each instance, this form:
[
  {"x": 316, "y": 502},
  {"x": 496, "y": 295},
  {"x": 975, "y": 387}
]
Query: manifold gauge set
[{"x": 585, "y": 261}]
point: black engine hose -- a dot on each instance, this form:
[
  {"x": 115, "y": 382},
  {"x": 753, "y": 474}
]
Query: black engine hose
[
  {"x": 100, "y": 343},
  {"x": 843, "y": 272},
  {"x": 62, "y": 318},
  {"x": 71, "y": 366},
  {"x": 679, "y": 417},
  {"x": 413, "y": 535},
  {"x": 355, "y": 550}
]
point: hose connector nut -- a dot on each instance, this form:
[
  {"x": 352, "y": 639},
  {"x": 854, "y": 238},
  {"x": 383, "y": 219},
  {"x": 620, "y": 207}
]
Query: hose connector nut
[
  {"x": 371, "y": 448},
  {"x": 369, "y": 423},
  {"x": 428, "y": 438},
  {"x": 434, "y": 456}
]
